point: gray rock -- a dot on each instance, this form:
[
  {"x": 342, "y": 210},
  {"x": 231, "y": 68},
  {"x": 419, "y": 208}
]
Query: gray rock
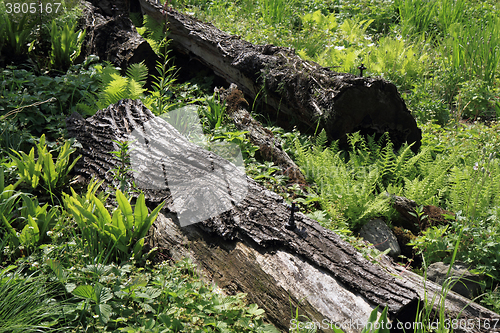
[
  {"x": 378, "y": 233},
  {"x": 465, "y": 283}
]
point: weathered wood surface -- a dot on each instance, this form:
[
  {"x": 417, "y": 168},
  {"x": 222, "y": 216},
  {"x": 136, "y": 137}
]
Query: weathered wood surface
[
  {"x": 341, "y": 103},
  {"x": 246, "y": 248},
  {"x": 269, "y": 147}
]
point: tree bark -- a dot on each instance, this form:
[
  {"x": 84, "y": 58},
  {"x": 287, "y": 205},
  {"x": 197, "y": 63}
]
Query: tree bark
[
  {"x": 111, "y": 35},
  {"x": 339, "y": 102}
]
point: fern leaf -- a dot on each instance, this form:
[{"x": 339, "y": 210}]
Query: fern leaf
[
  {"x": 134, "y": 89},
  {"x": 115, "y": 91},
  {"x": 105, "y": 74},
  {"x": 321, "y": 140},
  {"x": 401, "y": 164},
  {"x": 155, "y": 30},
  {"x": 138, "y": 73},
  {"x": 386, "y": 163}
]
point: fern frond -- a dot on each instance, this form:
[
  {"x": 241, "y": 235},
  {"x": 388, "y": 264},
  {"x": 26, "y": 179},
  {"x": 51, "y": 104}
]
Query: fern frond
[
  {"x": 137, "y": 20},
  {"x": 402, "y": 166},
  {"x": 138, "y": 72},
  {"x": 154, "y": 34},
  {"x": 134, "y": 89},
  {"x": 386, "y": 163},
  {"x": 156, "y": 46},
  {"x": 155, "y": 29},
  {"x": 115, "y": 91},
  {"x": 105, "y": 73},
  {"x": 321, "y": 140}
]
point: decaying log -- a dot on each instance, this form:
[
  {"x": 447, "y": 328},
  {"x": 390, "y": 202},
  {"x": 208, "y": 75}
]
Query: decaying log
[
  {"x": 269, "y": 147},
  {"x": 112, "y": 36},
  {"x": 341, "y": 103},
  {"x": 245, "y": 248}
]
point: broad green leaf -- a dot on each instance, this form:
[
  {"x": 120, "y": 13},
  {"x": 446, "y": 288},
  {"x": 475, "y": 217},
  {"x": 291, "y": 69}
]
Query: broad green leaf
[
  {"x": 102, "y": 293},
  {"x": 11, "y": 230},
  {"x": 91, "y": 218},
  {"x": 104, "y": 311},
  {"x": 383, "y": 322},
  {"x": 140, "y": 213},
  {"x": 85, "y": 291},
  {"x": 371, "y": 321},
  {"x": 103, "y": 212},
  {"x": 149, "y": 222},
  {"x": 254, "y": 310},
  {"x": 126, "y": 209},
  {"x": 117, "y": 221},
  {"x": 30, "y": 233},
  {"x": 49, "y": 171},
  {"x": 138, "y": 248}
]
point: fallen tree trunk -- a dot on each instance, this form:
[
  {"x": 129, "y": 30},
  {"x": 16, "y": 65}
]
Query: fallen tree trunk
[
  {"x": 243, "y": 244},
  {"x": 111, "y": 35},
  {"x": 339, "y": 102},
  {"x": 246, "y": 248}
]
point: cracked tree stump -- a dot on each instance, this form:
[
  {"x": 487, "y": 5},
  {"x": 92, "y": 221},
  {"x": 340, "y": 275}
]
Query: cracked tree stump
[
  {"x": 111, "y": 35},
  {"x": 301, "y": 90}
]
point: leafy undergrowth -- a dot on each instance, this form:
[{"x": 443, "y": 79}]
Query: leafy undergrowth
[
  {"x": 56, "y": 291},
  {"x": 72, "y": 265},
  {"x": 446, "y": 68}
]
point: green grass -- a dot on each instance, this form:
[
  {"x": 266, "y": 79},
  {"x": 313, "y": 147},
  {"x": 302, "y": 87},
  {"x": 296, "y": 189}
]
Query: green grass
[{"x": 27, "y": 302}]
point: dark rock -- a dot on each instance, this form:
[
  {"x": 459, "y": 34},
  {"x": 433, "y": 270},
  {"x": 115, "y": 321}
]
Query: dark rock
[
  {"x": 378, "y": 233},
  {"x": 464, "y": 282}
]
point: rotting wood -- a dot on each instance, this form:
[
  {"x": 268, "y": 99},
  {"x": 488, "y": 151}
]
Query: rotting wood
[
  {"x": 269, "y": 147},
  {"x": 112, "y": 36},
  {"x": 246, "y": 248},
  {"x": 302, "y": 90}
]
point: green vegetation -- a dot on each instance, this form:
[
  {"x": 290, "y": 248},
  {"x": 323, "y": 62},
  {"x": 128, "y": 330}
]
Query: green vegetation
[
  {"x": 447, "y": 69},
  {"x": 75, "y": 259},
  {"x": 79, "y": 259}
]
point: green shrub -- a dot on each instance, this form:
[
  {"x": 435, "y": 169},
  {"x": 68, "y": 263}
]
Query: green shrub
[
  {"x": 41, "y": 103},
  {"x": 121, "y": 234},
  {"x": 16, "y": 34},
  {"x": 42, "y": 171}
]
